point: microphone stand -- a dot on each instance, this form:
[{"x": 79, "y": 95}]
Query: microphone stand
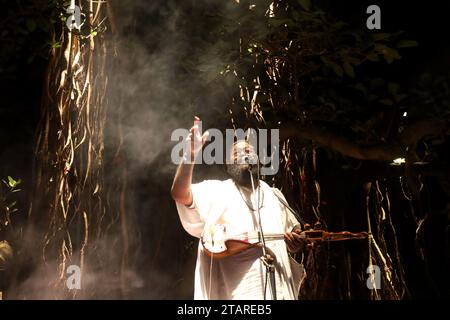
[{"x": 266, "y": 258}]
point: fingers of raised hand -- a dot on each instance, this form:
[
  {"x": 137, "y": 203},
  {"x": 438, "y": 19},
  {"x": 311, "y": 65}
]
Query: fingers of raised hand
[{"x": 205, "y": 137}]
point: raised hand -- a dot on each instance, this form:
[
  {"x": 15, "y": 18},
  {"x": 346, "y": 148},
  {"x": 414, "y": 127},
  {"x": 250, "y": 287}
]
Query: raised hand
[{"x": 195, "y": 139}]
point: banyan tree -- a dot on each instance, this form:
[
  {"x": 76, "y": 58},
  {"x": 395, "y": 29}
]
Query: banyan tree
[{"x": 359, "y": 151}]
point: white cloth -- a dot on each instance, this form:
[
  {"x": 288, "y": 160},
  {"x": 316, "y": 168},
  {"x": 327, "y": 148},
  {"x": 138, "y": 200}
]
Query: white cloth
[{"x": 242, "y": 275}]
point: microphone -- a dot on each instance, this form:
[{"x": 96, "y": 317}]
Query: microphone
[{"x": 251, "y": 159}]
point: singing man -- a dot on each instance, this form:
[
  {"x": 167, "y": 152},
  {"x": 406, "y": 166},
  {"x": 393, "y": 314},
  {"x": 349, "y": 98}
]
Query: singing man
[{"x": 234, "y": 209}]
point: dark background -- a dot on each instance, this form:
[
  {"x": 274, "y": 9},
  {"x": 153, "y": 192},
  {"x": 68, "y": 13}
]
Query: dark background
[{"x": 21, "y": 82}]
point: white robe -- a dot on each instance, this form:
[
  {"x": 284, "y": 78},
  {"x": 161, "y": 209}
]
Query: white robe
[{"x": 242, "y": 275}]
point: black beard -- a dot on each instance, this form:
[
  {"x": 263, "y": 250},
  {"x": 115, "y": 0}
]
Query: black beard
[{"x": 241, "y": 176}]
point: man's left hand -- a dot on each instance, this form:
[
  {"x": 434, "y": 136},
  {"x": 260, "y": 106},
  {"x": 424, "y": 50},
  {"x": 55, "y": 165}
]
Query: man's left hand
[{"x": 294, "y": 241}]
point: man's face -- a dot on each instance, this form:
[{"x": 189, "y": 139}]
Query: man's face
[
  {"x": 238, "y": 151},
  {"x": 237, "y": 169}
]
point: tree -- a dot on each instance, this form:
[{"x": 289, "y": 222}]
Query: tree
[
  {"x": 285, "y": 64},
  {"x": 296, "y": 66}
]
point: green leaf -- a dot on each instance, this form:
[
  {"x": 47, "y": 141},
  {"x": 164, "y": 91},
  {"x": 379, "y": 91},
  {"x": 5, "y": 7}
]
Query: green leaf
[
  {"x": 338, "y": 25},
  {"x": 377, "y": 83},
  {"x": 31, "y": 25},
  {"x": 353, "y": 61},
  {"x": 11, "y": 182},
  {"x": 306, "y": 4},
  {"x": 373, "y": 57},
  {"x": 349, "y": 69},
  {"x": 380, "y": 36},
  {"x": 333, "y": 65},
  {"x": 400, "y": 97},
  {"x": 387, "y": 102},
  {"x": 325, "y": 60},
  {"x": 407, "y": 43},
  {"x": 45, "y": 24},
  {"x": 360, "y": 87},
  {"x": 353, "y": 34},
  {"x": 393, "y": 88},
  {"x": 296, "y": 15},
  {"x": 389, "y": 53},
  {"x": 381, "y": 48},
  {"x": 337, "y": 69}
]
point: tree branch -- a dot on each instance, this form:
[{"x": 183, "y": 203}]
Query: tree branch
[{"x": 382, "y": 152}]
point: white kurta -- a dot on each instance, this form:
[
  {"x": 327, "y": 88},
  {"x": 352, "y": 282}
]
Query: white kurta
[{"x": 240, "y": 276}]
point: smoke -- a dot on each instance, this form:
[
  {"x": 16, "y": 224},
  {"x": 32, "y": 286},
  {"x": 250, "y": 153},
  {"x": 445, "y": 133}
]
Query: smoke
[
  {"x": 99, "y": 278},
  {"x": 168, "y": 72},
  {"x": 163, "y": 69}
]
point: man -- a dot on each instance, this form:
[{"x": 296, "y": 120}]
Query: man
[{"x": 233, "y": 203}]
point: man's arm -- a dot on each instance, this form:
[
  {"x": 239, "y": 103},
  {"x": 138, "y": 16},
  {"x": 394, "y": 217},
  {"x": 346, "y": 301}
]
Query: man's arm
[
  {"x": 181, "y": 186},
  {"x": 293, "y": 239}
]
